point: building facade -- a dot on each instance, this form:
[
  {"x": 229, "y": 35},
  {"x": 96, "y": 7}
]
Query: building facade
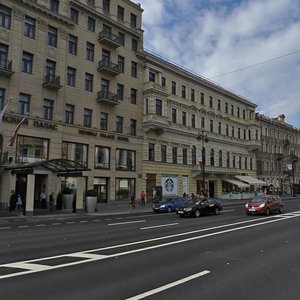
[{"x": 74, "y": 68}]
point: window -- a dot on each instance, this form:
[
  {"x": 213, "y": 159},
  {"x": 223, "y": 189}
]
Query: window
[
  {"x": 121, "y": 63},
  {"x": 163, "y": 81},
  {"x": 226, "y": 107},
  {"x": 89, "y": 78},
  {"x": 125, "y": 188},
  {"x": 163, "y": 151},
  {"x": 220, "y": 128},
  {"x": 173, "y": 91},
  {"x": 238, "y": 112},
  {"x": 246, "y": 163},
  {"x": 24, "y": 102},
  {"x": 152, "y": 76},
  {"x": 102, "y": 157},
  {"x": 174, "y": 115},
  {"x": 228, "y": 160},
  {"x": 240, "y": 162},
  {"x": 54, "y": 5},
  {"x": 90, "y": 51},
  {"x": 193, "y": 95},
  {"x": 183, "y": 91},
  {"x": 73, "y": 44},
  {"x": 211, "y": 126},
  {"x": 132, "y": 127},
  {"x": 193, "y": 121},
  {"x": 103, "y": 121},
  {"x": 69, "y": 114},
  {"x": 232, "y": 131},
  {"x": 3, "y": 56},
  {"x": 2, "y": 98},
  {"x": 105, "y": 87},
  {"x": 48, "y": 109},
  {"x": 244, "y": 114},
  {"x": 134, "y": 45},
  {"x": 74, "y": 15},
  {"x": 74, "y": 151},
  {"x": 133, "y": 69},
  {"x": 5, "y": 16},
  {"x": 50, "y": 69},
  {"x": 133, "y": 20},
  {"x": 233, "y": 162},
  {"x": 30, "y": 149},
  {"x": 87, "y": 117},
  {"x": 232, "y": 110},
  {"x": 202, "y": 98},
  {"x": 220, "y": 158},
  {"x": 256, "y": 134},
  {"x": 158, "y": 107},
  {"x": 125, "y": 160},
  {"x": 27, "y": 62},
  {"x": 194, "y": 161},
  {"x": 121, "y": 38},
  {"x": 91, "y": 25},
  {"x": 174, "y": 155},
  {"x": 120, "y": 13},
  {"x": 249, "y": 135},
  {"x": 239, "y": 133},
  {"x": 219, "y": 104},
  {"x": 29, "y": 27},
  {"x": 71, "y": 76},
  {"x": 211, "y": 104},
  {"x": 52, "y": 36},
  {"x": 119, "y": 124},
  {"x": 106, "y": 6},
  {"x": 212, "y": 157},
  {"x": 151, "y": 152},
  {"x": 120, "y": 91},
  {"x": 202, "y": 125},
  {"x": 184, "y": 156},
  {"x": 227, "y": 130},
  {"x": 184, "y": 118},
  {"x": 133, "y": 96}
]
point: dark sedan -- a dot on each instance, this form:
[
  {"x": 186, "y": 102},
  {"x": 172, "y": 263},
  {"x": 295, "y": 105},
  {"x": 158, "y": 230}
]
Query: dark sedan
[{"x": 198, "y": 207}]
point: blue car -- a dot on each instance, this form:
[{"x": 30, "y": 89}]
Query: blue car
[{"x": 169, "y": 204}]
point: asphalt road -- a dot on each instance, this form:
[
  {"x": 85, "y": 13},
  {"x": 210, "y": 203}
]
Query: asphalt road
[{"x": 154, "y": 256}]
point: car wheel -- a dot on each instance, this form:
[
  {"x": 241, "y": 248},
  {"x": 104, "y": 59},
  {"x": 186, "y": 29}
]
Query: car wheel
[
  {"x": 280, "y": 211},
  {"x": 268, "y": 211},
  {"x": 169, "y": 209},
  {"x": 197, "y": 213},
  {"x": 217, "y": 211}
]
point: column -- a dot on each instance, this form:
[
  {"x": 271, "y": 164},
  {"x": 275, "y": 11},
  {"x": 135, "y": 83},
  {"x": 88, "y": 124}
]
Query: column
[
  {"x": 79, "y": 194},
  {"x": 30, "y": 195}
]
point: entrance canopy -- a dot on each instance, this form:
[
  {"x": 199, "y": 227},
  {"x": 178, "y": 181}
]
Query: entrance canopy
[
  {"x": 63, "y": 167},
  {"x": 237, "y": 183},
  {"x": 250, "y": 180}
]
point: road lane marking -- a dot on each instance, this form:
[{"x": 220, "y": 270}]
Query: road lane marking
[
  {"x": 40, "y": 225},
  {"x": 96, "y": 220},
  {"x": 86, "y": 255},
  {"x": 169, "y": 285},
  {"x": 122, "y": 223},
  {"x": 83, "y": 221},
  {"x": 70, "y": 223},
  {"x": 55, "y": 224},
  {"x": 23, "y": 226},
  {"x": 29, "y": 266},
  {"x": 5, "y": 228},
  {"x": 158, "y": 226}
]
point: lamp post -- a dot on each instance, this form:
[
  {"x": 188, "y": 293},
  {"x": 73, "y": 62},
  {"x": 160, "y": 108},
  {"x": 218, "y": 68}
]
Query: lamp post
[
  {"x": 204, "y": 139},
  {"x": 294, "y": 159}
]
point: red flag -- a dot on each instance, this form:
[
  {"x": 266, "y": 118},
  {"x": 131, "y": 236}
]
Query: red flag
[
  {"x": 2, "y": 113},
  {"x": 12, "y": 140}
]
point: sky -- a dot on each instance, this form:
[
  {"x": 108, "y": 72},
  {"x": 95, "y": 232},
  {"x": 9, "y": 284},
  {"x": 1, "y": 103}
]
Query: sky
[{"x": 250, "y": 47}]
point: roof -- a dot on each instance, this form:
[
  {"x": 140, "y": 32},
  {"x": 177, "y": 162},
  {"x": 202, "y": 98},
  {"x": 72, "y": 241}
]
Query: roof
[
  {"x": 251, "y": 180},
  {"x": 237, "y": 182},
  {"x": 63, "y": 167}
]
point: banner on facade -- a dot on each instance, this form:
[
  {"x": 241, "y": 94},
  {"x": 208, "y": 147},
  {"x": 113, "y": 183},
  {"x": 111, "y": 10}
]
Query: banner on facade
[{"x": 169, "y": 185}]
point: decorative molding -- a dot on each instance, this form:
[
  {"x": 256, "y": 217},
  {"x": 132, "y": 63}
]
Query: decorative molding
[
  {"x": 51, "y": 52},
  {"x": 4, "y": 35}
]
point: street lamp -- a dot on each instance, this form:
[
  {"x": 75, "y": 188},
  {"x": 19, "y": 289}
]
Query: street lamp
[
  {"x": 294, "y": 159},
  {"x": 204, "y": 139}
]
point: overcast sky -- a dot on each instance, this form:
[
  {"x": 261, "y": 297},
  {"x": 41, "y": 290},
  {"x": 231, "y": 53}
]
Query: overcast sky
[{"x": 260, "y": 38}]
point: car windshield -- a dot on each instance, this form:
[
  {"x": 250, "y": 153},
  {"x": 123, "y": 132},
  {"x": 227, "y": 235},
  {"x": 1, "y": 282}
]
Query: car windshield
[
  {"x": 192, "y": 201},
  {"x": 258, "y": 200},
  {"x": 167, "y": 200}
]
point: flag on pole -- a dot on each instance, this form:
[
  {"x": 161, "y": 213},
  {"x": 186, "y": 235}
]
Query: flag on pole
[
  {"x": 2, "y": 113},
  {"x": 12, "y": 140}
]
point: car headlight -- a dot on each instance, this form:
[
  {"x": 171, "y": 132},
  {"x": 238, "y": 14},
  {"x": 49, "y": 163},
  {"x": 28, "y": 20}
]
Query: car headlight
[
  {"x": 246, "y": 205},
  {"x": 188, "y": 209},
  {"x": 262, "y": 205}
]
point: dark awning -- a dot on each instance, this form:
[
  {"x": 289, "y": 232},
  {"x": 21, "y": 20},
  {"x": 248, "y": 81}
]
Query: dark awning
[{"x": 62, "y": 167}]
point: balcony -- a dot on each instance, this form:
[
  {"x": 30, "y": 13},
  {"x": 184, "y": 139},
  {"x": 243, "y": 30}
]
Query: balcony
[
  {"x": 109, "y": 39},
  {"x": 253, "y": 145},
  {"x": 5, "y": 68},
  {"x": 108, "y": 67},
  {"x": 156, "y": 123},
  {"x": 52, "y": 82},
  {"x": 151, "y": 87},
  {"x": 107, "y": 97}
]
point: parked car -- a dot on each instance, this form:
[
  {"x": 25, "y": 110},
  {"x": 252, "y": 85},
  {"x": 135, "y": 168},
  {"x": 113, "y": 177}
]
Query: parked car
[
  {"x": 265, "y": 204},
  {"x": 169, "y": 204},
  {"x": 198, "y": 207}
]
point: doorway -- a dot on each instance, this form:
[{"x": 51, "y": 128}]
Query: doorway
[
  {"x": 100, "y": 185},
  {"x": 211, "y": 189}
]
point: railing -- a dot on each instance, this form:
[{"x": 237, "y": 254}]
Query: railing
[
  {"x": 105, "y": 95},
  {"x": 52, "y": 79}
]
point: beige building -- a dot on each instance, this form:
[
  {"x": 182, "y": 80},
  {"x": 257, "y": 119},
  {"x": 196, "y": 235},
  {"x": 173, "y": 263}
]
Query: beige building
[
  {"x": 74, "y": 67},
  {"x": 277, "y": 160},
  {"x": 181, "y": 109}
]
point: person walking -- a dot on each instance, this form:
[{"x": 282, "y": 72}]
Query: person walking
[
  {"x": 43, "y": 200},
  {"x": 19, "y": 202},
  {"x": 143, "y": 198},
  {"x": 51, "y": 201},
  {"x": 12, "y": 202},
  {"x": 132, "y": 202}
]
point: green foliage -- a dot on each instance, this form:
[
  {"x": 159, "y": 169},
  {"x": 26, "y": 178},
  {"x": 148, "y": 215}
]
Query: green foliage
[{"x": 91, "y": 193}]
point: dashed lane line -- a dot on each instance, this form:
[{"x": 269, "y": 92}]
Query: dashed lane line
[
  {"x": 122, "y": 223},
  {"x": 159, "y": 226}
]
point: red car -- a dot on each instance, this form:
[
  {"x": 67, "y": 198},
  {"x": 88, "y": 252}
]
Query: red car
[{"x": 265, "y": 204}]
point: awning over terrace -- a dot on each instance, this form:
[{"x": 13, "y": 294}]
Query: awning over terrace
[
  {"x": 237, "y": 183},
  {"x": 251, "y": 180}
]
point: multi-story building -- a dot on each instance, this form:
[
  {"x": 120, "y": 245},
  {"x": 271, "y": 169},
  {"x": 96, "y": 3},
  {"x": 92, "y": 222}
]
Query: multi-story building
[
  {"x": 74, "y": 67},
  {"x": 277, "y": 160},
  {"x": 181, "y": 109}
]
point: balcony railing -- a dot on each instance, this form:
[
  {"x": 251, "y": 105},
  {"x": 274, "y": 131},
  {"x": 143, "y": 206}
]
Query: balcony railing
[
  {"x": 6, "y": 68},
  {"x": 109, "y": 39},
  {"x": 52, "y": 82},
  {"x": 107, "y": 97},
  {"x": 108, "y": 67}
]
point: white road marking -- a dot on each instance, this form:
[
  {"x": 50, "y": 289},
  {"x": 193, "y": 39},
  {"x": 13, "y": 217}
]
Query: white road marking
[
  {"x": 55, "y": 224},
  {"x": 96, "y": 220},
  {"x": 23, "y": 226},
  {"x": 168, "y": 286},
  {"x": 86, "y": 255},
  {"x": 159, "y": 226},
  {"x": 28, "y": 266},
  {"x": 83, "y": 221},
  {"x": 40, "y": 225},
  {"x": 5, "y": 228},
  {"x": 70, "y": 223},
  {"x": 122, "y": 223}
]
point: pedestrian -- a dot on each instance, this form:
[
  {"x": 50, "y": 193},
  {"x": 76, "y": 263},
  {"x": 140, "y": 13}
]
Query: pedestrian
[
  {"x": 153, "y": 194},
  {"x": 43, "y": 200},
  {"x": 19, "y": 202},
  {"x": 143, "y": 196},
  {"x": 132, "y": 202},
  {"x": 12, "y": 202},
  {"x": 51, "y": 201}
]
